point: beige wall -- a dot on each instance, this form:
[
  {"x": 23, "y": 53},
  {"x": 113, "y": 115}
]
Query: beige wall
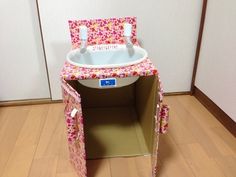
[
  {"x": 216, "y": 73},
  {"x": 168, "y": 29}
]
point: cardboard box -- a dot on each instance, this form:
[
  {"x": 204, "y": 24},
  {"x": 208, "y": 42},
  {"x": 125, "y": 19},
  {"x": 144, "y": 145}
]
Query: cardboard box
[{"x": 119, "y": 121}]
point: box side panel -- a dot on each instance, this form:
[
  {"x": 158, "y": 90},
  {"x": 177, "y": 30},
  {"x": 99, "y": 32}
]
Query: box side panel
[{"x": 146, "y": 94}]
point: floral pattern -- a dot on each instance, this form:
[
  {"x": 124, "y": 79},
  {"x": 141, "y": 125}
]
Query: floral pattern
[
  {"x": 72, "y": 72},
  {"x": 103, "y": 32},
  {"x": 75, "y": 129},
  {"x": 163, "y": 118}
]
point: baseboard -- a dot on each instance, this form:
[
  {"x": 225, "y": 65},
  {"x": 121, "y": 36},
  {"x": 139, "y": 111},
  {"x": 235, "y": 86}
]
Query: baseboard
[
  {"x": 223, "y": 118},
  {"x": 28, "y": 102},
  {"x": 177, "y": 93}
]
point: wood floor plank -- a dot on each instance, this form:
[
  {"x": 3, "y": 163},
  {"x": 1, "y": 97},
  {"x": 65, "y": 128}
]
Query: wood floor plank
[
  {"x": 119, "y": 167},
  {"x": 64, "y": 166},
  {"x": 227, "y": 164},
  {"x": 191, "y": 122},
  {"x": 67, "y": 174},
  {"x": 220, "y": 136},
  {"x": 44, "y": 167},
  {"x": 205, "y": 118},
  {"x": 3, "y": 114},
  {"x": 47, "y": 152},
  {"x": 143, "y": 165},
  {"x": 26, "y": 143},
  {"x": 223, "y": 140},
  {"x": 98, "y": 168},
  {"x": 11, "y": 126},
  {"x": 178, "y": 129},
  {"x": 124, "y": 167},
  {"x": 160, "y": 168},
  {"x": 171, "y": 158},
  {"x": 210, "y": 132},
  {"x": 201, "y": 164},
  {"x": 49, "y": 142}
]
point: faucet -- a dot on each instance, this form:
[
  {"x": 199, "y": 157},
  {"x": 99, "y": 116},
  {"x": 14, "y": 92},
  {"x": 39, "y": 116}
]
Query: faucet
[
  {"x": 127, "y": 35},
  {"x": 83, "y": 32}
]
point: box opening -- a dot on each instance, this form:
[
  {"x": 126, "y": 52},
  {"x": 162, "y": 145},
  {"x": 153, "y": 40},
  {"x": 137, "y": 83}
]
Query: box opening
[{"x": 119, "y": 122}]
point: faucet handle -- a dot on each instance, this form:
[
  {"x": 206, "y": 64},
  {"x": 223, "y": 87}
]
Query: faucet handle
[
  {"x": 127, "y": 29},
  {"x": 83, "y": 32}
]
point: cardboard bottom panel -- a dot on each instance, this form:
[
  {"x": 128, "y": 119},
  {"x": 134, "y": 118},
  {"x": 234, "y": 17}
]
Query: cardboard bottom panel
[{"x": 113, "y": 132}]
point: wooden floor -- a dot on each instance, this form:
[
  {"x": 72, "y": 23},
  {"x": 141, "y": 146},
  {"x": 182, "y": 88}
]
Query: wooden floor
[{"x": 33, "y": 144}]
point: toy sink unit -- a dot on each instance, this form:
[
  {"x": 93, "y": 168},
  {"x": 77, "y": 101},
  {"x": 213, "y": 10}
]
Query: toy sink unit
[
  {"x": 107, "y": 56},
  {"x": 112, "y": 95}
]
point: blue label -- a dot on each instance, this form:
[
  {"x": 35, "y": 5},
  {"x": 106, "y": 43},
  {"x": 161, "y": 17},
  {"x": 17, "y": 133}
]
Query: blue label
[{"x": 109, "y": 82}]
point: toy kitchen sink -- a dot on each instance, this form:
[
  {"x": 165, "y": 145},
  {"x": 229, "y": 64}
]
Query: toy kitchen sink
[{"x": 112, "y": 94}]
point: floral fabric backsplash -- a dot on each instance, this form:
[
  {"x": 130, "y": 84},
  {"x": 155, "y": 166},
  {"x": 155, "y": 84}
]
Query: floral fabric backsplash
[{"x": 102, "y": 31}]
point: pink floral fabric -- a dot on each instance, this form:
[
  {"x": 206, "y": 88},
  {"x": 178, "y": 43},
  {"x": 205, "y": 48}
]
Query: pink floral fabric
[
  {"x": 164, "y": 118},
  {"x": 155, "y": 144},
  {"x": 102, "y": 31},
  {"x": 75, "y": 129},
  {"x": 72, "y": 72}
]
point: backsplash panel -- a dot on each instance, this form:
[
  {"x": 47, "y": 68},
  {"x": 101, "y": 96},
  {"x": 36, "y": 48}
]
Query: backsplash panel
[{"x": 102, "y": 31}]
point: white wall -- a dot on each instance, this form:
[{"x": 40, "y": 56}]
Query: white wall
[
  {"x": 22, "y": 67},
  {"x": 167, "y": 29},
  {"x": 216, "y": 73}
]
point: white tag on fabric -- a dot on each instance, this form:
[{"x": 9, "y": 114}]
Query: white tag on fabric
[{"x": 73, "y": 112}]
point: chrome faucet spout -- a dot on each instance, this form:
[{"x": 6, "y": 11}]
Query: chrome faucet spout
[
  {"x": 83, "y": 46},
  {"x": 128, "y": 42}
]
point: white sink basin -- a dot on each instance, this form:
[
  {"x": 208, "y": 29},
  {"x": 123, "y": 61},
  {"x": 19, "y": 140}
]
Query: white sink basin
[{"x": 107, "y": 56}]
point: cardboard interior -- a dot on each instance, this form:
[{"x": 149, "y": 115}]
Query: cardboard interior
[{"x": 119, "y": 121}]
